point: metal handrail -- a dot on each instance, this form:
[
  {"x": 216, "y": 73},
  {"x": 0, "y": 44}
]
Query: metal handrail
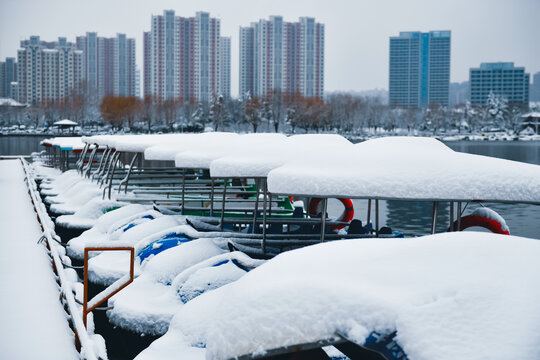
[
  {"x": 82, "y": 339},
  {"x": 112, "y": 289}
]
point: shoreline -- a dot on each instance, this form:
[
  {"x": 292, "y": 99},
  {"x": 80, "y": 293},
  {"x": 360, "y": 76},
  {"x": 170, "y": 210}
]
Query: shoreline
[{"x": 502, "y": 137}]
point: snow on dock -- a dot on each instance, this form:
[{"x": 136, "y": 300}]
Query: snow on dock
[{"x": 33, "y": 322}]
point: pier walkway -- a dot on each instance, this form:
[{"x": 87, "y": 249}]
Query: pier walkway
[{"x": 33, "y": 324}]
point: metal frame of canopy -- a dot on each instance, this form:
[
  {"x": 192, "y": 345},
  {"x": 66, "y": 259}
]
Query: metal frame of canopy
[
  {"x": 456, "y": 210},
  {"x": 111, "y": 172}
]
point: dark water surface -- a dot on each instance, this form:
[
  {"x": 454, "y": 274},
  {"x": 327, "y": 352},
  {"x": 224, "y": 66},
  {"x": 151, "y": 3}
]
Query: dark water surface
[
  {"x": 413, "y": 218},
  {"x": 20, "y": 144}
]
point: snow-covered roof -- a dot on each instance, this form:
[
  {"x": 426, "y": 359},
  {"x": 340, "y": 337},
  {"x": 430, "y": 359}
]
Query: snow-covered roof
[
  {"x": 65, "y": 143},
  {"x": 259, "y": 163},
  {"x": 460, "y": 295},
  {"x": 201, "y": 156},
  {"x": 65, "y": 122},
  {"x": 10, "y": 102},
  {"x": 130, "y": 143},
  {"x": 408, "y": 168},
  {"x": 534, "y": 114},
  {"x": 167, "y": 150}
]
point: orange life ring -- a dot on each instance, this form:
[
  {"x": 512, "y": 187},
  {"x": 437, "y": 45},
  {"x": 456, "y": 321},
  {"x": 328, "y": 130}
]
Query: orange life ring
[
  {"x": 346, "y": 216},
  {"x": 485, "y": 218}
]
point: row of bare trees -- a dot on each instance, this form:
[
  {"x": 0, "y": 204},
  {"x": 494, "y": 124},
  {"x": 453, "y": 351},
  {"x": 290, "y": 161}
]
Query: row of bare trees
[{"x": 343, "y": 113}]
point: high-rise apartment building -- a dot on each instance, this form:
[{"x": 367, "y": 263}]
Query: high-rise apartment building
[
  {"x": 8, "y": 74},
  {"x": 47, "y": 71},
  {"x": 182, "y": 57},
  {"x": 283, "y": 56},
  {"x": 109, "y": 64},
  {"x": 535, "y": 88},
  {"x": 419, "y": 69},
  {"x": 146, "y": 64},
  {"x": 225, "y": 66},
  {"x": 500, "y": 78}
]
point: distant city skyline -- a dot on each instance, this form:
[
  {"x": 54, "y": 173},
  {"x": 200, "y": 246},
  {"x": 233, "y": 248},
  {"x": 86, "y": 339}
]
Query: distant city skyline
[{"x": 357, "y": 34}]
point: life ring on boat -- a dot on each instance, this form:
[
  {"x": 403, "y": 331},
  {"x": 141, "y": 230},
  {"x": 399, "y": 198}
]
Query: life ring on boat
[
  {"x": 346, "y": 216},
  {"x": 486, "y": 218}
]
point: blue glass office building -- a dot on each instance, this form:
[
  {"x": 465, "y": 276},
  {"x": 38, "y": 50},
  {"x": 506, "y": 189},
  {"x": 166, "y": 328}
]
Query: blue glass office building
[
  {"x": 419, "y": 69},
  {"x": 501, "y": 78}
]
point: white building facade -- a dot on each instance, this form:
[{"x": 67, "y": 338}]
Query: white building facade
[
  {"x": 47, "y": 71},
  {"x": 183, "y": 57},
  {"x": 109, "y": 64},
  {"x": 282, "y": 56}
]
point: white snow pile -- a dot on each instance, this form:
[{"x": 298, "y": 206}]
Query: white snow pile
[
  {"x": 269, "y": 156},
  {"x": 411, "y": 169},
  {"x": 41, "y": 171},
  {"x": 200, "y": 157},
  {"x": 167, "y": 150},
  {"x": 74, "y": 198},
  {"x": 148, "y": 304},
  {"x": 86, "y": 216},
  {"x": 109, "y": 227},
  {"x": 54, "y": 185},
  {"x": 460, "y": 295}
]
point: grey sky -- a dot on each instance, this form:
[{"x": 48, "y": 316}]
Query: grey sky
[{"x": 357, "y": 32}]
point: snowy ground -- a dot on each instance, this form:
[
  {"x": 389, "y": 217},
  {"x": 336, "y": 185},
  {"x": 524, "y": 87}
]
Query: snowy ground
[{"x": 33, "y": 323}]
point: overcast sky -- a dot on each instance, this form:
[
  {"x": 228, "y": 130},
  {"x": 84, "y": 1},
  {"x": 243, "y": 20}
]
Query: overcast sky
[{"x": 357, "y": 32}]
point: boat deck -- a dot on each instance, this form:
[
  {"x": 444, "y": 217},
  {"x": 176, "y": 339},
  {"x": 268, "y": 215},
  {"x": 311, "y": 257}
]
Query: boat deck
[{"x": 34, "y": 324}]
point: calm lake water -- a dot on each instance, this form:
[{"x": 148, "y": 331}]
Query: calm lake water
[{"x": 413, "y": 218}]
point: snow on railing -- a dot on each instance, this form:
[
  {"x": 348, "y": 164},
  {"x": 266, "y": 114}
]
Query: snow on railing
[{"x": 84, "y": 344}]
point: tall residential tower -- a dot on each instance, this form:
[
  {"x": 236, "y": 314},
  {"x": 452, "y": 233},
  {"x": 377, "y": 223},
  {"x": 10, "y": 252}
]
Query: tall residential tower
[
  {"x": 182, "y": 57},
  {"x": 419, "y": 69},
  {"x": 8, "y": 74},
  {"x": 109, "y": 64},
  {"x": 283, "y": 56},
  {"x": 47, "y": 71}
]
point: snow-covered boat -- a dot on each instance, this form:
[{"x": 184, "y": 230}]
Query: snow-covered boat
[{"x": 444, "y": 296}]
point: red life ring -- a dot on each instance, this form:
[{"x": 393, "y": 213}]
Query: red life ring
[
  {"x": 486, "y": 218},
  {"x": 346, "y": 216}
]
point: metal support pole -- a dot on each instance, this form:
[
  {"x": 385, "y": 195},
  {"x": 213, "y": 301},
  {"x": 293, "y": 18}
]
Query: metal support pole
[
  {"x": 115, "y": 162},
  {"x": 90, "y": 161},
  {"x": 258, "y": 186},
  {"x": 451, "y": 216},
  {"x": 434, "y": 220},
  {"x": 105, "y": 176},
  {"x": 323, "y": 218},
  {"x": 98, "y": 170},
  {"x": 368, "y": 214},
  {"x": 458, "y": 216},
  {"x": 183, "y": 190},
  {"x": 212, "y": 198},
  {"x": 264, "y": 217},
  {"x": 80, "y": 162},
  {"x": 129, "y": 173},
  {"x": 377, "y": 217},
  {"x": 223, "y": 203}
]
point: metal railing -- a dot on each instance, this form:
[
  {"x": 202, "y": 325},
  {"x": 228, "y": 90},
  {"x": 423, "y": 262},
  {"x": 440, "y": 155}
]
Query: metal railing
[
  {"x": 83, "y": 343},
  {"x": 112, "y": 289}
]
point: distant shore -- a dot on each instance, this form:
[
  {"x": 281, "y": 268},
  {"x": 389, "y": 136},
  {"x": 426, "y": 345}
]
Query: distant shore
[{"x": 450, "y": 136}]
